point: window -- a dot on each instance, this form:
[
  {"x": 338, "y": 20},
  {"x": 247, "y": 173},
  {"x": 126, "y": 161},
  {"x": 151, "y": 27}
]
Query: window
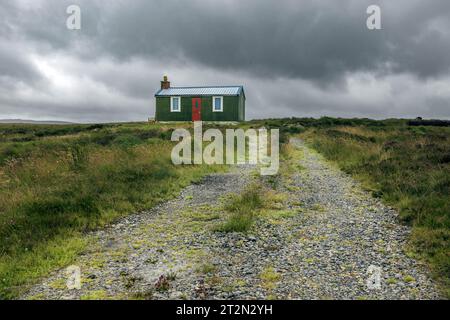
[
  {"x": 175, "y": 104},
  {"x": 217, "y": 104}
]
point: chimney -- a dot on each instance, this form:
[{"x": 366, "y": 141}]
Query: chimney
[{"x": 165, "y": 84}]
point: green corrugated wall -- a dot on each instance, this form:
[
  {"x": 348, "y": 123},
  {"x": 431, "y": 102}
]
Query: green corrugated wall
[{"x": 233, "y": 109}]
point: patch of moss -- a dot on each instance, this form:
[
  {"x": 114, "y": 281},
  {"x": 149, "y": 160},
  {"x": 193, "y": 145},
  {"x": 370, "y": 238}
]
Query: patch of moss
[
  {"x": 58, "y": 284},
  {"x": 391, "y": 281},
  {"x": 269, "y": 278},
  {"x": 206, "y": 268},
  {"x": 318, "y": 207},
  {"x": 95, "y": 295}
]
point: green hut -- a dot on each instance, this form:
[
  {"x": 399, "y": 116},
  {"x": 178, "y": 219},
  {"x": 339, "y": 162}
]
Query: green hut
[{"x": 215, "y": 103}]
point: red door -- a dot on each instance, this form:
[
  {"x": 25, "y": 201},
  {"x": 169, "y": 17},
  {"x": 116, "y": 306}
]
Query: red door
[{"x": 196, "y": 109}]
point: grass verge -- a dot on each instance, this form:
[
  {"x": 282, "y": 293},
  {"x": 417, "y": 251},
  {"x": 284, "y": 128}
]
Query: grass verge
[
  {"x": 57, "y": 183},
  {"x": 409, "y": 168}
]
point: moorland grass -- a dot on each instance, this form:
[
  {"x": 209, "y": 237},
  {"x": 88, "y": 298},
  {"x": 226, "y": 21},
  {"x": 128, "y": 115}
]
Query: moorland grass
[
  {"x": 409, "y": 168},
  {"x": 57, "y": 182},
  {"x": 242, "y": 209},
  {"x": 66, "y": 180}
]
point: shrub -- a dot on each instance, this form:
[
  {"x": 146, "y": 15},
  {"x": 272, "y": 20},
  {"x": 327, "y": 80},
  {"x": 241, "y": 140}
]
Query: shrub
[{"x": 127, "y": 140}]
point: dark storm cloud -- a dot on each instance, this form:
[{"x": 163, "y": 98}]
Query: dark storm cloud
[
  {"x": 319, "y": 40},
  {"x": 315, "y": 48},
  {"x": 307, "y": 39}
]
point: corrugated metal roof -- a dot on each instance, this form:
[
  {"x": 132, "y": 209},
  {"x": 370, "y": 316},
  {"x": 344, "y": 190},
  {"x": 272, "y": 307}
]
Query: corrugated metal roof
[{"x": 200, "y": 91}]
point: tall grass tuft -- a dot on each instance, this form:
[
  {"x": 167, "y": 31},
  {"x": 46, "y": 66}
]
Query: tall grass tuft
[{"x": 242, "y": 210}]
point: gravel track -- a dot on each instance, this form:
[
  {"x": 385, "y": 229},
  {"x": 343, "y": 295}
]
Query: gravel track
[{"x": 318, "y": 245}]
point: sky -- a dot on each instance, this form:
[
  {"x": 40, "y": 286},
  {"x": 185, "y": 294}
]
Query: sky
[{"x": 295, "y": 58}]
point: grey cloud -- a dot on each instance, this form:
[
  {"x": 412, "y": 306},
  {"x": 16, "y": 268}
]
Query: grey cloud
[
  {"x": 289, "y": 39},
  {"x": 15, "y": 66},
  {"x": 319, "y": 40},
  {"x": 294, "y": 57}
]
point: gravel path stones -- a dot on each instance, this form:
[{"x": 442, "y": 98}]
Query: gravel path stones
[{"x": 327, "y": 240}]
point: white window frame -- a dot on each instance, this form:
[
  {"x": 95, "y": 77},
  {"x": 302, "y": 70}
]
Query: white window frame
[
  {"x": 171, "y": 104},
  {"x": 221, "y": 104}
]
